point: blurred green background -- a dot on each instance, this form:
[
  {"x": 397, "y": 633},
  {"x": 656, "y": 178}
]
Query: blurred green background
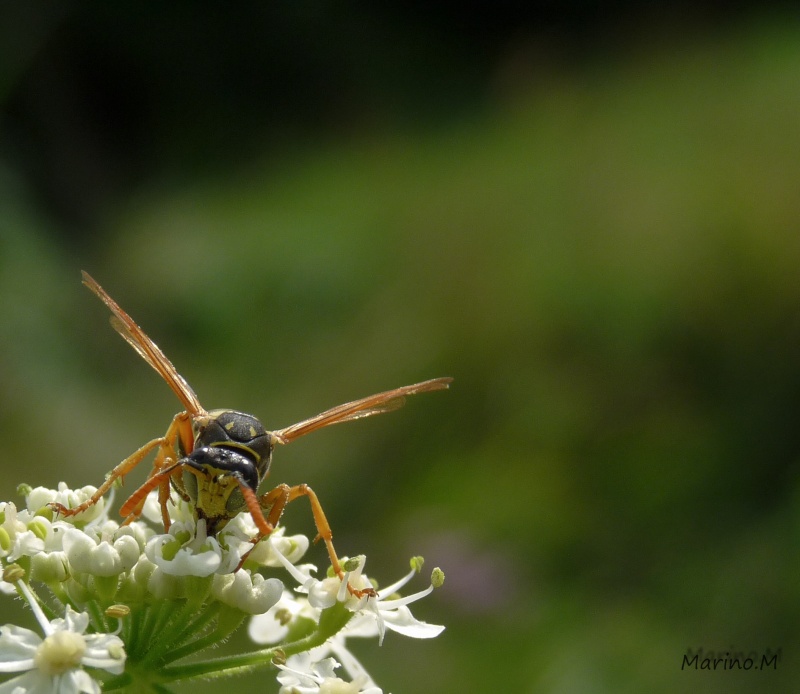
[{"x": 589, "y": 218}]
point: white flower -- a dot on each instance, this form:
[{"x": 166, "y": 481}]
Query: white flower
[
  {"x": 40, "y": 497},
  {"x": 252, "y": 594},
  {"x": 16, "y": 538},
  {"x": 374, "y": 613},
  {"x": 391, "y": 614},
  {"x": 273, "y": 625},
  {"x": 178, "y": 510},
  {"x": 99, "y": 557},
  {"x": 54, "y": 664},
  {"x": 137, "y": 530},
  {"x": 185, "y": 551},
  {"x": 242, "y": 530},
  {"x": 302, "y": 675}
]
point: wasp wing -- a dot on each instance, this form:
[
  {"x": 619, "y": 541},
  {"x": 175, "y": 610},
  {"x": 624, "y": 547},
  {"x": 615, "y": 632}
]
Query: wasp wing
[
  {"x": 147, "y": 349},
  {"x": 366, "y": 407}
]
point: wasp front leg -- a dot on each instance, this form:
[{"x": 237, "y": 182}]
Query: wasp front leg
[
  {"x": 166, "y": 453},
  {"x": 118, "y": 472},
  {"x": 132, "y": 508},
  {"x": 178, "y": 437}
]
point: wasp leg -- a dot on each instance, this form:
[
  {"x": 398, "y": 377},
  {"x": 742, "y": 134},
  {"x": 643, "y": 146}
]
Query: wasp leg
[
  {"x": 117, "y": 473},
  {"x": 179, "y": 435},
  {"x": 132, "y": 508},
  {"x": 274, "y": 502},
  {"x": 179, "y": 430}
]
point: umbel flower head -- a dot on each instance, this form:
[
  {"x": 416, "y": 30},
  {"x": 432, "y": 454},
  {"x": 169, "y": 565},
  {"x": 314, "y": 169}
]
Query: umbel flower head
[{"x": 127, "y": 600}]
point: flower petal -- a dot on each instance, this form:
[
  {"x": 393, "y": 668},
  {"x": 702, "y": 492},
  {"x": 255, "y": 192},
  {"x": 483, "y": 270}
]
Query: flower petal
[
  {"x": 17, "y": 648},
  {"x": 77, "y": 682},
  {"x": 403, "y": 622},
  {"x": 33, "y": 682},
  {"x": 105, "y": 651},
  {"x": 184, "y": 562}
]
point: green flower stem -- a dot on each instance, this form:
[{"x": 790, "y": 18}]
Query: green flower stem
[
  {"x": 97, "y": 616},
  {"x": 220, "y": 667},
  {"x": 118, "y": 682},
  {"x": 166, "y": 616},
  {"x": 218, "y": 635},
  {"x": 45, "y": 607},
  {"x": 106, "y": 587},
  {"x": 197, "y": 625},
  {"x": 152, "y": 615},
  {"x": 57, "y": 589},
  {"x": 131, "y": 628},
  {"x": 173, "y": 645},
  {"x": 171, "y": 628},
  {"x": 332, "y": 620},
  {"x": 189, "y": 648}
]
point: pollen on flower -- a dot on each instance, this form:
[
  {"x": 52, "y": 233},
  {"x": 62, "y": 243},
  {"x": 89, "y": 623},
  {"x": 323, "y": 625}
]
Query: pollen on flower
[
  {"x": 279, "y": 657},
  {"x": 351, "y": 564},
  {"x": 416, "y": 563},
  {"x": 117, "y": 611},
  {"x": 13, "y": 573},
  {"x": 59, "y": 652}
]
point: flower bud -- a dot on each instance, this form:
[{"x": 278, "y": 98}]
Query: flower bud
[
  {"x": 77, "y": 592},
  {"x": 250, "y": 593},
  {"x": 86, "y": 556},
  {"x": 292, "y": 547},
  {"x": 129, "y": 551},
  {"x": 5, "y": 541},
  {"x": 40, "y": 497},
  {"x": 50, "y": 567}
]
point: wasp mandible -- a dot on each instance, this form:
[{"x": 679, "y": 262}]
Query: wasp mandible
[{"x": 216, "y": 459}]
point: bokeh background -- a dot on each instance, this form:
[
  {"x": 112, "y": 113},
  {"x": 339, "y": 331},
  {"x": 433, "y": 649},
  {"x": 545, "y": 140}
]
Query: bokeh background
[{"x": 586, "y": 213}]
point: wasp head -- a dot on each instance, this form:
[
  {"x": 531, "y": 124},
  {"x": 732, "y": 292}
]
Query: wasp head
[{"x": 237, "y": 430}]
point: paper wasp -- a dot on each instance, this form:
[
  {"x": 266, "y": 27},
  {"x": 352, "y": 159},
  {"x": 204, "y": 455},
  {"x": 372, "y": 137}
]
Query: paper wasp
[{"x": 216, "y": 459}]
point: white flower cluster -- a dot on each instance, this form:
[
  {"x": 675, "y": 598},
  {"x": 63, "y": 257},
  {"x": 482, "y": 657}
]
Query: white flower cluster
[
  {"x": 76, "y": 556},
  {"x": 129, "y": 594}
]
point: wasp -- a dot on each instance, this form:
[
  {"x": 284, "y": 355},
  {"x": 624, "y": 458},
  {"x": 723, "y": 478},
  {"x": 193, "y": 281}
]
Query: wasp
[{"x": 215, "y": 460}]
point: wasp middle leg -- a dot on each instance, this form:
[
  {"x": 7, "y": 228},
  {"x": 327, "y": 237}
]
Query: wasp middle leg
[{"x": 273, "y": 504}]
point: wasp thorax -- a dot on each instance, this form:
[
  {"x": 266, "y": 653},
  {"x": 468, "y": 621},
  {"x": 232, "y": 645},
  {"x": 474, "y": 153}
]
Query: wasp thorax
[{"x": 234, "y": 429}]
